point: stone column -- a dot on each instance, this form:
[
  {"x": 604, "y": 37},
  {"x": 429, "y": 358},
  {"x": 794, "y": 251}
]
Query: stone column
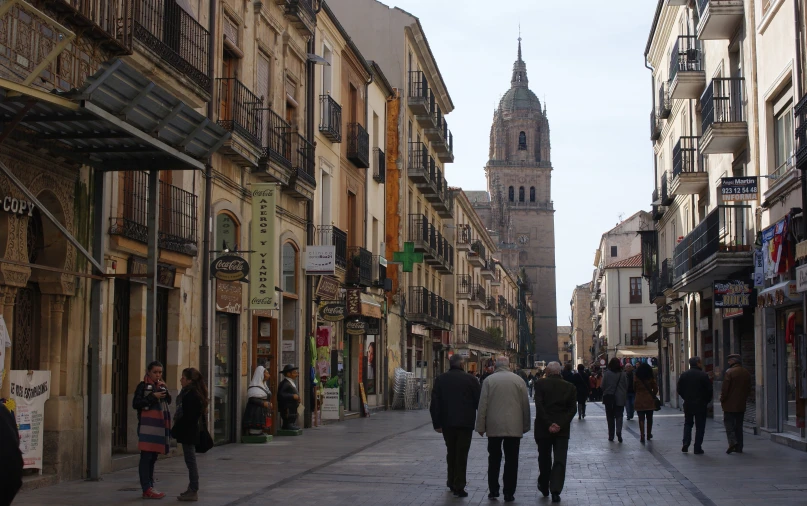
[
  {"x": 54, "y": 358},
  {"x": 8, "y": 295}
]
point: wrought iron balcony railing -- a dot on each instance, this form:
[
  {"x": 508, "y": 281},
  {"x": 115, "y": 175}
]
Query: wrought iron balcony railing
[
  {"x": 666, "y": 197},
  {"x": 359, "y": 266},
  {"x": 463, "y": 235},
  {"x": 686, "y": 157},
  {"x": 380, "y": 166},
  {"x": 240, "y": 110},
  {"x": 107, "y": 21},
  {"x": 685, "y": 56},
  {"x": 330, "y": 118},
  {"x": 428, "y": 308},
  {"x": 418, "y": 159},
  {"x": 479, "y": 248},
  {"x": 168, "y": 30},
  {"x": 329, "y": 235},
  {"x": 303, "y": 161},
  {"x": 800, "y": 124},
  {"x": 723, "y": 102},
  {"x": 358, "y": 145},
  {"x": 419, "y": 91},
  {"x": 276, "y": 138},
  {"x": 655, "y": 125},
  {"x": 465, "y": 284},
  {"x": 664, "y": 101},
  {"x": 177, "y": 219}
]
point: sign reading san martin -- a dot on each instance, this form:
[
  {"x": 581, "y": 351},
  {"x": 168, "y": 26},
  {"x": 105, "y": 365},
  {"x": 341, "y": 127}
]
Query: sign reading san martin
[{"x": 262, "y": 285}]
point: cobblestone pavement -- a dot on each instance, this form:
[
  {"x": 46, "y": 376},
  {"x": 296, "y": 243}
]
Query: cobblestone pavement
[{"x": 396, "y": 458}]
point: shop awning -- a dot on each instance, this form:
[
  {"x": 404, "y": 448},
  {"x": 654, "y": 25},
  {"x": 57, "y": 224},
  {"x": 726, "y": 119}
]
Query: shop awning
[
  {"x": 652, "y": 338},
  {"x": 649, "y": 352}
]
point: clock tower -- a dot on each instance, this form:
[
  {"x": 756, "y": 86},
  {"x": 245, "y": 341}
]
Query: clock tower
[{"x": 519, "y": 207}]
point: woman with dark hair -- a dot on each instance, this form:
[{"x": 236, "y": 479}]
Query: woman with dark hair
[
  {"x": 151, "y": 400},
  {"x": 191, "y": 407},
  {"x": 614, "y": 396},
  {"x": 644, "y": 384}
]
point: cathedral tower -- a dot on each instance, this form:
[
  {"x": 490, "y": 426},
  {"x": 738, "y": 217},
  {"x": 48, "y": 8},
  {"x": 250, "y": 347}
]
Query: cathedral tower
[{"x": 520, "y": 210}]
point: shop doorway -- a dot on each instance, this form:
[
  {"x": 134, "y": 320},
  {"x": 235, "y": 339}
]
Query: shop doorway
[
  {"x": 790, "y": 325},
  {"x": 120, "y": 365},
  {"x": 25, "y": 345},
  {"x": 226, "y": 338},
  {"x": 353, "y": 364}
]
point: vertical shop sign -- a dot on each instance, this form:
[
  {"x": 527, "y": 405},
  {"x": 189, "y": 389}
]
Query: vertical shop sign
[
  {"x": 353, "y": 301},
  {"x": 30, "y": 391},
  {"x": 330, "y": 404},
  {"x": 262, "y": 285}
]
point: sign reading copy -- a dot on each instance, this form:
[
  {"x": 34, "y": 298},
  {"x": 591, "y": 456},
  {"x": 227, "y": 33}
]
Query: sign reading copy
[
  {"x": 736, "y": 294},
  {"x": 739, "y": 188},
  {"x": 30, "y": 391},
  {"x": 320, "y": 260},
  {"x": 262, "y": 286}
]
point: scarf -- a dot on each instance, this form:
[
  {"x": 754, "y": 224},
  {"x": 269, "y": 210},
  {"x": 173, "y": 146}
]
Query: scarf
[
  {"x": 257, "y": 387},
  {"x": 154, "y": 430}
]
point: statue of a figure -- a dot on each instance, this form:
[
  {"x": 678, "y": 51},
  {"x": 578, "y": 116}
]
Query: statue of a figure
[
  {"x": 257, "y": 416},
  {"x": 288, "y": 398}
]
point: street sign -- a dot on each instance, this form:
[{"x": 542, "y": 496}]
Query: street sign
[{"x": 739, "y": 188}]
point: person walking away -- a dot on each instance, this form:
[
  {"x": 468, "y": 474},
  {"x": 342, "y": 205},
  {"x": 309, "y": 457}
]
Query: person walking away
[
  {"x": 191, "y": 407},
  {"x": 554, "y": 411},
  {"x": 592, "y": 387},
  {"x": 567, "y": 373},
  {"x": 152, "y": 401},
  {"x": 10, "y": 454},
  {"x": 630, "y": 400},
  {"x": 504, "y": 414},
  {"x": 695, "y": 388},
  {"x": 733, "y": 397},
  {"x": 530, "y": 384},
  {"x": 581, "y": 381},
  {"x": 455, "y": 398},
  {"x": 646, "y": 390},
  {"x": 614, "y": 396}
]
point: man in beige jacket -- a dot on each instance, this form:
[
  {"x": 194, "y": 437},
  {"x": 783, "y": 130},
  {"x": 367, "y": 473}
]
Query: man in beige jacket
[{"x": 504, "y": 414}]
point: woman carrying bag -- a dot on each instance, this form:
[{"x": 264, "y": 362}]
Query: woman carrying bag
[
  {"x": 191, "y": 410},
  {"x": 614, "y": 397},
  {"x": 646, "y": 388},
  {"x": 151, "y": 400}
]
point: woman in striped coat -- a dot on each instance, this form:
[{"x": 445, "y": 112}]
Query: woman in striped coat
[{"x": 151, "y": 400}]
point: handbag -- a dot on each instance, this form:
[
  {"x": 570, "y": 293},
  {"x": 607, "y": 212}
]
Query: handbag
[
  {"x": 656, "y": 400},
  {"x": 205, "y": 441}
]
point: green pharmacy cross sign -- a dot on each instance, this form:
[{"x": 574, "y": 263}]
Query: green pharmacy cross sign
[{"x": 407, "y": 257}]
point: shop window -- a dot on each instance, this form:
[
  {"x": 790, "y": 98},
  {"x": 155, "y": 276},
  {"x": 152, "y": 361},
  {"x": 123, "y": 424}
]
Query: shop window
[
  {"x": 289, "y": 273},
  {"x": 227, "y": 233},
  {"x": 636, "y": 332},
  {"x": 635, "y": 290}
]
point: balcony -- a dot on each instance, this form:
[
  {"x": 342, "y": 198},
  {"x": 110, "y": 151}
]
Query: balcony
[
  {"x": 723, "y": 104},
  {"x": 437, "y": 192},
  {"x": 419, "y": 92},
  {"x": 328, "y": 235},
  {"x": 441, "y": 138},
  {"x": 107, "y": 22},
  {"x": 718, "y": 247},
  {"x": 655, "y": 126},
  {"x": 276, "y": 156},
  {"x": 488, "y": 270},
  {"x": 476, "y": 257},
  {"x": 301, "y": 14},
  {"x": 177, "y": 221},
  {"x": 303, "y": 183},
  {"x": 418, "y": 167},
  {"x": 330, "y": 118},
  {"x": 479, "y": 337},
  {"x": 667, "y": 197},
  {"x": 358, "y": 145},
  {"x": 380, "y": 279},
  {"x": 658, "y": 209},
  {"x": 240, "y": 113},
  {"x": 479, "y": 298},
  {"x": 687, "y": 77},
  {"x": 664, "y": 101},
  {"x": 175, "y": 36},
  {"x": 359, "y": 267},
  {"x": 666, "y": 275},
  {"x": 689, "y": 175},
  {"x": 496, "y": 280},
  {"x": 463, "y": 238},
  {"x": 428, "y": 120},
  {"x": 379, "y": 166},
  {"x": 420, "y": 233},
  {"x": 800, "y": 124},
  {"x": 465, "y": 285},
  {"x": 719, "y": 19},
  {"x": 490, "y": 306},
  {"x": 443, "y": 260},
  {"x": 429, "y": 309}
]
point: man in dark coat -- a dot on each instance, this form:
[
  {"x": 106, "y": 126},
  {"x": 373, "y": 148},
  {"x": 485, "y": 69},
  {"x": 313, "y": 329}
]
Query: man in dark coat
[
  {"x": 581, "y": 382},
  {"x": 733, "y": 396},
  {"x": 695, "y": 387},
  {"x": 10, "y": 456},
  {"x": 455, "y": 398},
  {"x": 555, "y": 407},
  {"x": 288, "y": 398}
]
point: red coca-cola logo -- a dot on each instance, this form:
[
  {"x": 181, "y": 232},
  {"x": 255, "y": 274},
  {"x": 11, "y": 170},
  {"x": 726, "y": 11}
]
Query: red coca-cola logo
[{"x": 229, "y": 268}]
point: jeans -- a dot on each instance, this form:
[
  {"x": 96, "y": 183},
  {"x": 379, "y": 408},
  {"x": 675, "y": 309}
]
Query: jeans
[
  {"x": 581, "y": 409},
  {"x": 552, "y": 472},
  {"x": 699, "y": 420},
  {"x": 189, "y": 452},
  {"x": 510, "y": 478},
  {"x": 642, "y": 416},
  {"x": 733, "y": 422},
  {"x": 629, "y": 404},
  {"x": 146, "y": 469},
  {"x": 458, "y": 443},
  {"x": 614, "y": 414}
]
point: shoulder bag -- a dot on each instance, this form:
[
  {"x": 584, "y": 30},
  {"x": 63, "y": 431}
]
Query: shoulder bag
[
  {"x": 205, "y": 440},
  {"x": 656, "y": 400}
]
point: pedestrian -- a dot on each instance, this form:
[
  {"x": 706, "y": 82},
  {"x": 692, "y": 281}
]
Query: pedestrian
[
  {"x": 695, "y": 388},
  {"x": 646, "y": 390},
  {"x": 567, "y": 373},
  {"x": 191, "y": 406},
  {"x": 592, "y": 387},
  {"x": 504, "y": 414},
  {"x": 733, "y": 397},
  {"x": 614, "y": 396},
  {"x": 581, "y": 381},
  {"x": 152, "y": 401},
  {"x": 455, "y": 398},
  {"x": 10, "y": 454},
  {"x": 631, "y": 396},
  {"x": 530, "y": 384},
  {"x": 554, "y": 411}
]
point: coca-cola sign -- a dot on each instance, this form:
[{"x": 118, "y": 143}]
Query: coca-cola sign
[
  {"x": 230, "y": 268},
  {"x": 334, "y": 312},
  {"x": 356, "y": 327}
]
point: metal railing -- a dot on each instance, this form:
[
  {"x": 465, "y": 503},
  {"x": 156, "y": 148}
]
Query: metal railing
[
  {"x": 329, "y": 235},
  {"x": 303, "y": 161},
  {"x": 664, "y": 100},
  {"x": 686, "y": 157},
  {"x": 655, "y": 125},
  {"x": 276, "y": 138},
  {"x": 358, "y": 145},
  {"x": 429, "y": 308},
  {"x": 666, "y": 274},
  {"x": 479, "y": 248},
  {"x": 723, "y": 101},
  {"x": 110, "y": 17},
  {"x": 177, "y": 220},
  {"x": 465, "y": 284},
  {"x": 168, "y": 30},
  {"x": 419, "y": 229},
  {"x": 666, "y": 197},
  {"x": 360, "y": 266},
  {"x": 800, "y": 124},
  {"x": 418, "y": 157},
  {"x": 330, "y": 118},
  {"x": 418, "y": 85},
  {"x": 240, "y": 109},
  {"x": 686, "y": 56},
  {"x": 380, "y": 166},
  {"x": 463, "y": 234},
  {"x": 478, "y": 293}
]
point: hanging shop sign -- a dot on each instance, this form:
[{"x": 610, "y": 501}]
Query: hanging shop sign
[
  {"x": 373, "y": 326},
  {"x": 353, "y": 301},
  {"x": 732, "y": 294},
  {"x": 228, "y": 297},
  {"x": 801, "y": 279},
  {"x": 139, "y": 268},
  {"x": 668, "y": 321},
  {"x": 356, "y": 327},
  {"x": 779, "y": 294},
  {"x": 262, "y": 284},
  {"x": 759, "y": 269},
  {"x": 739, "y": 188},
  {"x": 230, "y": 268},
  {"x": 18, "y": 206},
  {"x": 320, "y": 260},
  {"x": 328, "y": 288},
  {"x": 333, "y": 312}
]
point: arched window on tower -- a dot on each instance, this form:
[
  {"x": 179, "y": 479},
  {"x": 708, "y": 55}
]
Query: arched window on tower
[
  {"x": 511, "y": 194},
  {"x": 521, "y": 194},
  {"x": 532, "y": 194},
  {"x": 522, "y": 141}
]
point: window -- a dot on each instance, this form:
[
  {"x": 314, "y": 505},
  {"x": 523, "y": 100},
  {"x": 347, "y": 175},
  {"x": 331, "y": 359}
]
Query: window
[
  {"x": 522, "y": 141},
  {"x": 521, "y": 194},
  {"x": 511, "y": 194},
  {"x": 226, "y": 232},
  {"x": 635, "y": 290},
  {"x": 289, "y": 277},
  {"x": 613, "y": 251},
  {"x": 783, "y": 137},
  {"x": 532, "y": 194},
  {"x": 327, "y": 73},
  {"x": 636, "y": 332}
]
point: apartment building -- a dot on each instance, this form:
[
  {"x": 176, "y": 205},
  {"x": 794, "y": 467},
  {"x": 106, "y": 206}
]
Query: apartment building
[{"x": 582, "y": 330}]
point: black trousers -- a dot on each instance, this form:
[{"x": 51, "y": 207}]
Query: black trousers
[
  {"x": 698, "y": 419},
  {"x": 511, "y": 446},
  {"x": 552, "y": 471},
  {"x": 733, "y": 422},
  {"x": 458, "y": 444}
]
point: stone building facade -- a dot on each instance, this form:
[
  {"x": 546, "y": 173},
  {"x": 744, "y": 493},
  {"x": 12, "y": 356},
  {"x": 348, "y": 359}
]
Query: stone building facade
[{"x": 582, "y": 329}]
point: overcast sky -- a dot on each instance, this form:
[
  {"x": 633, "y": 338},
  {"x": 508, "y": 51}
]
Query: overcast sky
[{"x": 586, "y": 57}]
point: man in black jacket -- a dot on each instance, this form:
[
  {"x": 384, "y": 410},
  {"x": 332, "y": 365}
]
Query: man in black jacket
[
  {"x": 695, "y": 387},
  {"x": 455, "y": 398},
  {"x": 10, "y": 456}
]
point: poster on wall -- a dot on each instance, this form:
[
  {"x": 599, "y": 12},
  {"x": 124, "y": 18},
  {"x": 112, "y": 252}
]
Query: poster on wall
[
  {"x": 30, "y": 391},
  {"x": 263, "y": 256},
  {"x": 330, "y": 404},
  {"x": 370, "y": 365}
]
